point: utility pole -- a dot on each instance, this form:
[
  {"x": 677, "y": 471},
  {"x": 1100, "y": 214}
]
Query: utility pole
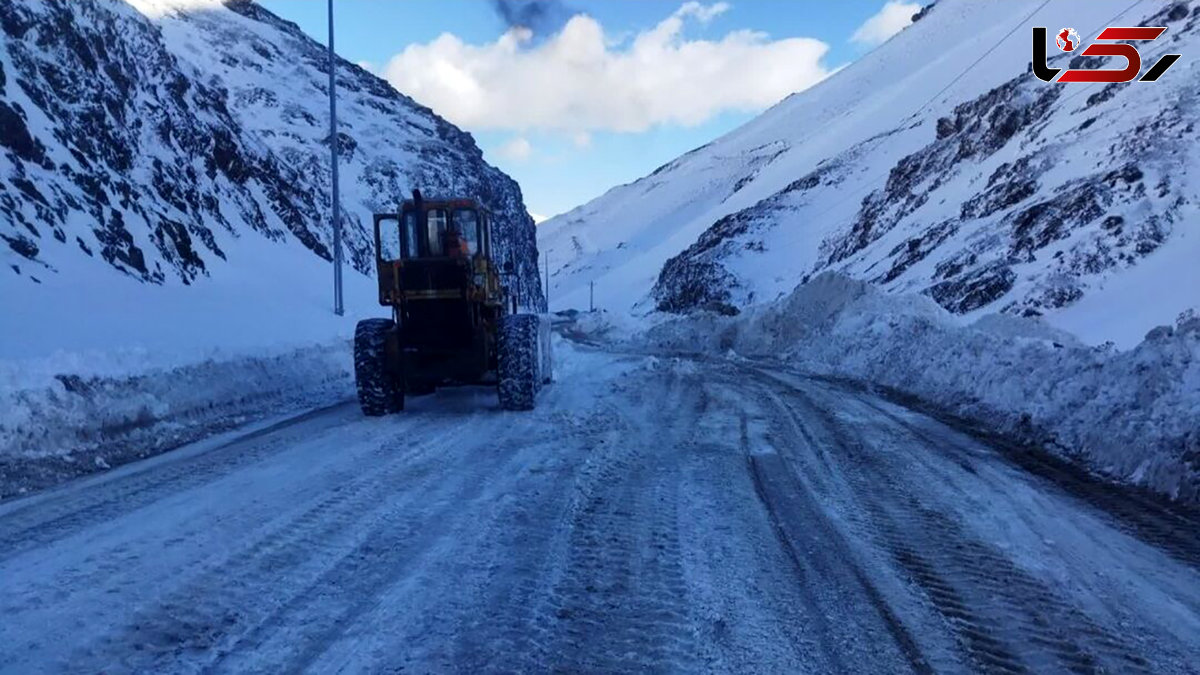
[
  {"x": 591, "y": 296},
  {"x": 546, "y": 292},
  {"x": 333, "y": 146}
]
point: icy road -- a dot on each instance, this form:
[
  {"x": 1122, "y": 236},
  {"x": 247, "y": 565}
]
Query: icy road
[{"x": 654, "y": 514}]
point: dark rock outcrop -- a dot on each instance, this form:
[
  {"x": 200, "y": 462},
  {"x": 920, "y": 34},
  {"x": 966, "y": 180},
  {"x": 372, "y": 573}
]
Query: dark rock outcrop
[{"x": 146, "y": 141}]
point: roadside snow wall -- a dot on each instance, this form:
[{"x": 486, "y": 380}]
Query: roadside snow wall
[
  {"x": 1131, "y": 416},
  {"x": 70, "y": 416}
]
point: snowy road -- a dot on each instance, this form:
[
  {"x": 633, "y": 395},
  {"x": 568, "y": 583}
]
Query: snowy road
[{"x": 653, "y": 514}]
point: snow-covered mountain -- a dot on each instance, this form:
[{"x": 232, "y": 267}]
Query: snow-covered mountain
[
  {"x": 149, "y": 145},
  {"x": 937, "y": 164}
]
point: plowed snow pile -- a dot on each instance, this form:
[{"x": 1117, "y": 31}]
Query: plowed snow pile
[
  {"x": 73, "y": 414},
  {"x": 1132, "y": 415}
]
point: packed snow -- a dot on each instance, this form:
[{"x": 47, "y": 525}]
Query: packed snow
[
  {"x": 653, "y": 514},
  {"x": 99, "y": 367},
  {"x": 1131, "y": 415}
]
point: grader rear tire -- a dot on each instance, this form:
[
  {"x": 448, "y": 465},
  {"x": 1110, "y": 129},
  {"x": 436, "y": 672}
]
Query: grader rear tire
[{"x": 379, "y": 392}]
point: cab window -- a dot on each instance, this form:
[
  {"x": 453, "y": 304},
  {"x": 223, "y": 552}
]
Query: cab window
[
  {"x": 389, "y": 239},
  {"x": 466, "y": 223},
  {"x": 408, "y": 234},
  {"x": 437, "y": 232}
]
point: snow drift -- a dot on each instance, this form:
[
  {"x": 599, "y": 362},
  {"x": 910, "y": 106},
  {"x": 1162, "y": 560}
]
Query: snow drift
[{"x": 1133, "y": 415}]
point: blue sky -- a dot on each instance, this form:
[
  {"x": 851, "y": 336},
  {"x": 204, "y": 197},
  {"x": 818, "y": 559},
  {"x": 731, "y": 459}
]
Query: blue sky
[{"x": 572, "y": 109}]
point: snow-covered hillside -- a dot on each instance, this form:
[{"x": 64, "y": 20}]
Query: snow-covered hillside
[
  {"x": 931, "y": 165},
  {"x": 164, "y": 223},
  {"x": 164, "y": 172}
]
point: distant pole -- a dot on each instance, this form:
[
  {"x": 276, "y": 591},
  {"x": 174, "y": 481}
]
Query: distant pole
[
  {"x": 333, "y": 145},
  {"x": 591, "y": 296},
  {"x": 547, "y": 292}
]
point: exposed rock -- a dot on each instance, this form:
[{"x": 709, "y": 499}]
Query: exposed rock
[
  {"x": 165, "y": 148},
  {"x": 22, "y": 245},
  {"x": 976, "y": 289},
  {"x": 15, "y": 136},
  {"x": 924, "y": 12},
  {"x": 695, "y": 279}
]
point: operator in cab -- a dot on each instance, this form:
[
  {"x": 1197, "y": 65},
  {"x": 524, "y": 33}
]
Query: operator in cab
[
  {"x": 457, "y": 245},
  {"x": 462, "y": 235}
]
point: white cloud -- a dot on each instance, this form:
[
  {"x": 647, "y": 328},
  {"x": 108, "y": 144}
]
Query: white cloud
[
  {"x": 704, "y": 13},
  {"x": 518, "y": 149},
  {"x": 892, "y": 19},
  {"x": 582, "y": 140},
  {"x": 582, "y": 80}
]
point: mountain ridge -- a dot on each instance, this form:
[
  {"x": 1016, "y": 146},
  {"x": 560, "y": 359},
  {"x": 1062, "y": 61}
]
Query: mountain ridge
[
  {"x": 901, "y": 170},
  {"x": 128, "y": 138}
]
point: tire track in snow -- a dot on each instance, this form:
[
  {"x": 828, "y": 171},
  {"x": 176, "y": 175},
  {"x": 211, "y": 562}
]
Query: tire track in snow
[
  {"x": 1173, "y": 528},
  {"x": 512, "y": 634},
  {"x": 1007, "y": 620},
  {"x": 401, "y": 538},
  {"x": 200, "y": 618},
  {"x": 750, "y": 613},
  {"x": 621, "y": 602},
  {"x": 1126, "y": 637},
  {"x": 831, "y": 578}
]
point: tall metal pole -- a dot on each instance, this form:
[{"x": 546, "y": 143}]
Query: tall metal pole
[
  {"x": 333, "y": 145},
  {"x": 546, "y": 293}
]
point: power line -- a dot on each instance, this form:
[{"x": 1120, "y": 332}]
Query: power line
[
  {"x": 994, "y": 47},
  {"x": 870, "y": 183},
  {"x": 1101, "y": 27}
]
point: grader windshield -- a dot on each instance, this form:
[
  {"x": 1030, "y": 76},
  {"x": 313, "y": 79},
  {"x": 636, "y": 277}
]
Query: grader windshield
[{"x": 447, "y": 233}]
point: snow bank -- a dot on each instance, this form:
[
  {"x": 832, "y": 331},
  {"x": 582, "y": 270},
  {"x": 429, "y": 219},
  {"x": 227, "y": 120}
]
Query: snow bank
[
  {"x": 1132, "y": 416},
  {"x": 63, "y": 417},
  {"x": 597, "y": 326}
]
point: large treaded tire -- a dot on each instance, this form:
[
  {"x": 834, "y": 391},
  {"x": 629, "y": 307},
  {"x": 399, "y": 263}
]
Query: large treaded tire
[
  {"x": 378, "y": 391},
  {"x": 517, "y": 367},
  {"x": 545, "y": 351}
]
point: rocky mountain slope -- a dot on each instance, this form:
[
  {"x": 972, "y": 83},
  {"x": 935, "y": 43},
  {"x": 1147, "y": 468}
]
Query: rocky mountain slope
[
  {"x": 950, "y": 171},
  {"x": 180, "y": 142}
]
